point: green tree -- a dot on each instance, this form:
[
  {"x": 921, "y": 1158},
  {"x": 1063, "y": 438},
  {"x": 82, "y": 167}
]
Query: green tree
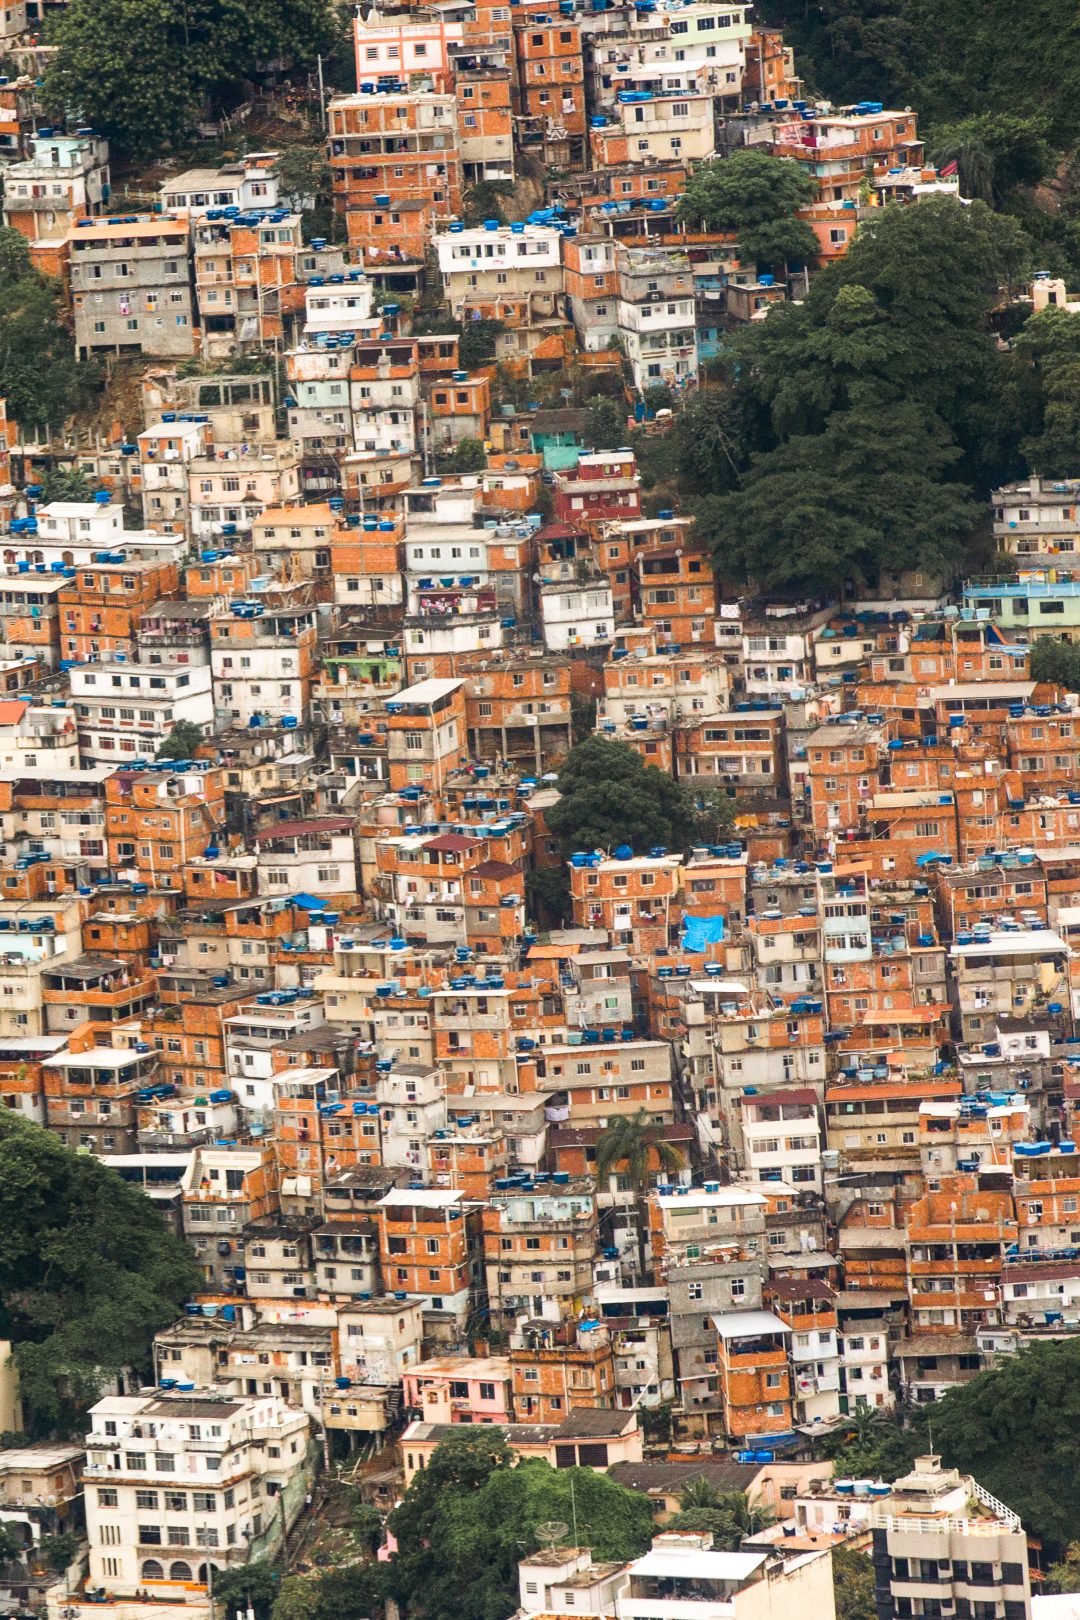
[
  {"x": 1011, "y": 1429},
  {"x": 486, "y": 200},
  {"x": 305, "y": 184},
  {"x": 700, "y": 1493},
  {"x": 606, "y": 426},
  {"x": 88, "y": 1273},
  {"x": 903, "y": 318},
  {"x": 877, "y": 1444},
  {"x": 40, "y": 378},
  {"x": 609, "y": 797},
  {"x": 459, "y": 1543},
  {"x": 548, "y": 893},
  {"x": 11, "y": 1545},
  {"x": 947, "y": 59},
  {"x": 243, "y": 1586},
  {"x": 467, "y": 456},
  {"x": 714, "y": 814},
  {"x": 995, "y": 152},
  {"x": 348, "y": 1589},
  {"x": 1064, "y": 1575},
  {"x": 304, "y": 176},
  {"x": 1049, "y": 345},
  {"x": 658, "y": 397},
  {"x": 707, "y": 447},
  {"x": 1055, "y": 661},
  {"x": 636, "y": 1142},
  {"x": 728, "y": 1516},
  {"x": 871, "y": 491},
  {"x": 182, "y": 742},
  {"x": 60, "y": 1551},
  {"x": 297, "y": 1598},
  {"x": 142, "y": 71},
  {"x": 367, "y": 1527},
  {"x": 752, "y": 196},
  {"x": 853, "y": 1584},
  {"x": 456, "y": 1472},
  {"x": 66, "y": 484},
  {"x": 477, "y": 342}
]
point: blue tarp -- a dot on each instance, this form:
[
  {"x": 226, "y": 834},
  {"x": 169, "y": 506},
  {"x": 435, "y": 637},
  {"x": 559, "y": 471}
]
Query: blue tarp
[
  {"x": 309, "y": 902},
  {"x": 700, "y": 932}
]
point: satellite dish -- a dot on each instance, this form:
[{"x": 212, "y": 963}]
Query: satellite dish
[{"x": 551, "y": 1532}]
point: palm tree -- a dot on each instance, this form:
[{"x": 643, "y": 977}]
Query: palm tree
[
  {"x": 749, "y": 1518},
  {"x": 634, "y": 1140},
  {"x": 729, "y": 1516},
  {"x": 699, "y": 1493},
  {"x": 974, "y": 163}
]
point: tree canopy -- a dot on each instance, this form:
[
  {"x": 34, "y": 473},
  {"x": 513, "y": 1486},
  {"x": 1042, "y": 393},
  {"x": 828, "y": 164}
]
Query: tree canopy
[
  {"x": 330, "y": 1594},
  {"x": 243, "y": 1586},
  {"x": 853, "y": 1584},
  {"x": 182, "y": 741},
  {"x": 943, "y": 57},
  {"x": 1050, "y": 344},
  {"x": 1011, "y": 1428},
  {"x": 872, "y": 490},
  {"x": 753, "y": 195},
  {"x": 995, "y": 152},
  {"x": 728, "y": 1516},
  {"x": 636, "y": 1141},
  {"x": 469, "y": 1517},
  {"x": 88, "y": 1272},
  {"x": 864, "y": 426},
  {"x": 40, "y": 378},
  {"x": 610, "y": 797},
  {"x": 1055, "y": 661},
  {"x": 142, "y": 71}
]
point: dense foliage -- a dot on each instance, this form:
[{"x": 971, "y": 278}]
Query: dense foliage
[
  {"x": 1048, "y": 348},
  {"x": 753, "y": 196},
  {"x": 727, "y": 1516},
  {"x": 946, "y": 59},
  {"x": 853, "y": 1584},
  {"x": 864, "y": 427},
  {"x": 611, "y": 797},
  {"x": 40, "y": 378},
  {"x": 143, "y": 71},
  {"x": 344, "y": 1590},
  {"x": 88, "y": 1272},
  {"x": 1010, "y": 1428},
  {"x": 182, "y": 742},
  {"x": 470, "y": 1516},
  {"x": 1056, "y": 661}
]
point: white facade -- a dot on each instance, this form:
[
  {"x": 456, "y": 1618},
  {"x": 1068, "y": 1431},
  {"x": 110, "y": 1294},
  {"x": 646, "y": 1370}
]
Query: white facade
[
  {"x": 864, "y": 1357},
  {"x": 574, "y": 615},
  {"x": 256, "y": 678},
  {"x": 176, "y": 1480},
  {"x": 342, "y": 304},
  {"x": 130, "y": 709},
  {"x": 66, "y": 176},
  {"x": 247, "y": 184},
  {"x": 330, "y": 869},
  {"x": 484, "y": 264}
]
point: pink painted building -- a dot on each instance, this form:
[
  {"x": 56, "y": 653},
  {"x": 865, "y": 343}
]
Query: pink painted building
[{"x": 460, "y": 1389}]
